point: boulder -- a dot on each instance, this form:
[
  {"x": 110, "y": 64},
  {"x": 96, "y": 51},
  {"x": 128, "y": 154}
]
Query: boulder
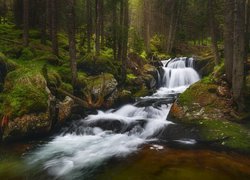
[
  {"x": 27, "y": 126},
  {"x": 210, "y": 102},
  {"x": 102, "y": 84},
  {"x": 101, "y": 90},
  {"x": 26, "y": 104},
  {"x": 65, "y": 108}
]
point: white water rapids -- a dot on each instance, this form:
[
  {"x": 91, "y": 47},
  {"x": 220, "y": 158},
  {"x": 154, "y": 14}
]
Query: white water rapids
[{"x": 113, "y": 133}]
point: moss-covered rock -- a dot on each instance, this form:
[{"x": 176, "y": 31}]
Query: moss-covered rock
[
  {"x": 25, "y": 92},
  {"x": 65, "y": 108},
  {"x": 124, "y": 96},
  {"x": 27, "y": 126},
  {"x": 101, "y": 91},
  {"x": 143, "y": 91},
  {"x": 236, "y": 135},
  {"x": 101, "y": 84},
  {"x": 204, "y": 101}
]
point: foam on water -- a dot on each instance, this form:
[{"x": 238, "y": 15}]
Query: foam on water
[{"x": 71, "y": 153}]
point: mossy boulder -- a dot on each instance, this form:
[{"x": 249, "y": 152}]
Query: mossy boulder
[
  {"x": 101, "y": 84},
  {"x": 27, "y": 126},
  {"x": 65, "y": 108},
  {"x": 236, "y": 135},
  {"x": 124, "y": 96},
  {"x": 204, "y": 101},
  {"x": 143, "y": 91},
  {"x": 26, "y": 103},
  {"x": 101, "y": 91},
  {"x": 25, "y": 92}
]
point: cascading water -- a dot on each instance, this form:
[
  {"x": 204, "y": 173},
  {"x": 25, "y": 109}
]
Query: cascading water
[{"x": 88, "y": 143}]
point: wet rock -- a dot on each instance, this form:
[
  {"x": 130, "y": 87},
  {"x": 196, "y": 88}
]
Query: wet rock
[
  {"x": 65, "y": 108},
  {"x": 150, "y": 81},
  {"x": 102, "y": 84},
  {"x": 27, "y": 126},
  {"x": 125, "y": 96}
]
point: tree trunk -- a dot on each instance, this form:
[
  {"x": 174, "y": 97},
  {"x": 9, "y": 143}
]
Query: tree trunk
[
  {"x": 228, "y": 39},
  {"x": 25, "y": 23},
  {"x": 43, "y": 20},
  {"x": 89, "y": 23},
  {"x": 125, "y": 40},
  {"x": 53, "y": 17},
  {"x": 123, "y": 37},
  {"x": 146, "y": 29},
  {"x": 213, "y": 31},
  {"x": 97, "y": 27},
  {"x": 72, "y": 41},
  {"x": 102, "y": 23},
  {"x": 49, "y": 18},
  {"x": 239, "y": 54},
  {"x": 114, "y": 29},
  {"x": 121, "y": 32},
  {"x": 175, "y": 15},
  {"x": 247, "y": 14}
]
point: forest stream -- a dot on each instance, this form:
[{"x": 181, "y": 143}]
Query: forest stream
[{"x": 133, "y": 142}]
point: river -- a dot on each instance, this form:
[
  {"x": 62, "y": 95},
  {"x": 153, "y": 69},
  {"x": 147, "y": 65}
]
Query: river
[{"x": 135, "y": 141}]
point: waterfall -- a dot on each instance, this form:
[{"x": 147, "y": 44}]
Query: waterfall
[
  {"x": 89, "y": 142},
  {"x": 179, "y": 72}
]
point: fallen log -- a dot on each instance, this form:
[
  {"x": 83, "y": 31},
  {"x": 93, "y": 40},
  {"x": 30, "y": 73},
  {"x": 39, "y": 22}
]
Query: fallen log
[{"x": 76, "y": 99}]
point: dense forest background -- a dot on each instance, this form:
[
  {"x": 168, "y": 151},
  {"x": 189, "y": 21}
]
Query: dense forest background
[{"x": 110, "y": 31}]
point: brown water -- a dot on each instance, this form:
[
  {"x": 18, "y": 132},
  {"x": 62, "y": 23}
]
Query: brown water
[
  {"x": 177, "y": 164},
  {"x": 146, "y": 164}
]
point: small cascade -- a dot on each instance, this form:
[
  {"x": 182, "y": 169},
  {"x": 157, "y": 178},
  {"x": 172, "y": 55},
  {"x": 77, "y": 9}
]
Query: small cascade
[
  {"x": 179, "y": 72},
  {"x": 89, "y": 142}
]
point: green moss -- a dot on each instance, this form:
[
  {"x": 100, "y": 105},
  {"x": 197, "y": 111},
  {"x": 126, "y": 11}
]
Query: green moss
[
  {"x": 9, "y": 65},
  {"x": 65, "y": 73},
  {"x": 24, "y": 92},
  {"x": 82, "y": 79},
  {"x": 27, "y": 54},
  {"x": 142, "y": 92},
  {"x": 49, "y": 58},
  {"x": 54, "y": 78},
  {"x": 95, "y": 65},
  {"x": 23, "y": 99},
  {"x": 67, "y": 87},
  {"x": 2, "y": 57},
  {"x": 239, "y": 136},
  {"x": 202, "y": 91},
  {"x": 130, "y": 76},
  {"x": 207, "y": 80}
]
